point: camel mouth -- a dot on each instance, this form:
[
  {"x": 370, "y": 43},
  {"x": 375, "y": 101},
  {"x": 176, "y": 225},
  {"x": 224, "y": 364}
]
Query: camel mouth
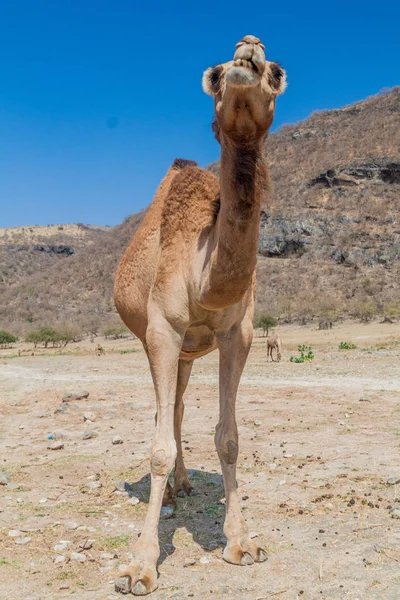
[{"x": 243, "y": 73}]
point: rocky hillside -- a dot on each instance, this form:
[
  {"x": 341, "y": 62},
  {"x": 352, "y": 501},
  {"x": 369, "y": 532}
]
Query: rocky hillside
[{"x": 329, "y": 239}]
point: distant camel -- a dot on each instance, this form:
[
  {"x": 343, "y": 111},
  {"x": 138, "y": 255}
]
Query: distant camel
[
  {"x": 99, "y": 350},
  {"x": 274, "y": 343}
]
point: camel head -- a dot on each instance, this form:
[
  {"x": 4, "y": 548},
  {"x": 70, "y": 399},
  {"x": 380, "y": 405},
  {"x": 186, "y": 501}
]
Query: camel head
[{"x": 244, "y": 91}]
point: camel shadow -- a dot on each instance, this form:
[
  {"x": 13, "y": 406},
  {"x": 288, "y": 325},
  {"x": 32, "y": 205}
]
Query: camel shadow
[{"x": 201, "y": 515}]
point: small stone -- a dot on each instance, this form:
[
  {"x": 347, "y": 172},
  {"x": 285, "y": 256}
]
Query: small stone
[
  {"x": 106, "y": 569},
  {"x": 133, "y": 501},
  {"x": 5, "y": 478},
  {"x": 89, "y": 416},
  {"x": 288, "y": 456},
  {"x": 71, "y": 525},
  {"x": 61, "y": 409},
  {"x": 13, "y": 486},
  {"x": 62, "y": 546},
  {"x": 86, "y": 545},
  {"x": 74, "y": 396},
  {"x": 111, "y": 563},
  {"x": 167, "y": 512},
  {"x": 78, "y": 557},
  {"x": 189, "y": 562},
  {"x": 253, "y": 534},
  {"x": 393, "y": 480},
  {"x": 23, "y": 541},
  {"x": 117, "y": 440},
  {"x": 93, "y": 485},
  {"x": 55, "y": 446},
  {"x": 88, "y": 435},
  {"x": 205, "y": 560},
  {"x": 257, "y": 423},
  {"x": 395, "y": 512},
  {"x": 15, "y": 533},
  {"x": 60, "y": 559},
  {"x": 42, "y": 500},
  {"x": 108, "y": 555}
]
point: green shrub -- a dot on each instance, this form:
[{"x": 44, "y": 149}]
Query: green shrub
[
  {"x": 306, "y": 354},
  {"x": 347, "y": 346},
  {"x": 6, "y": 339},
  {"x": 265, "y": 322},
  {"x": 48, "y": 335}
]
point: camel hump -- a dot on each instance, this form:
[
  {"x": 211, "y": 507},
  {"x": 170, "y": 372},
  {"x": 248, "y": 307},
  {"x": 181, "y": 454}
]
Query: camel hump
[{"x": 181, "y": 163}]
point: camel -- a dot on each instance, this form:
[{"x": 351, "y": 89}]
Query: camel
[
  {"x": 99, "y": 350},
  {"x": 274, "y": 343},
  {"x": 186, "y": 285}
]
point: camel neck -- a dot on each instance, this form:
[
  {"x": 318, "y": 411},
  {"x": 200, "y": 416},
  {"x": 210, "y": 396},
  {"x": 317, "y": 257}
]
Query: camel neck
[{"x": 244, "y": 182}]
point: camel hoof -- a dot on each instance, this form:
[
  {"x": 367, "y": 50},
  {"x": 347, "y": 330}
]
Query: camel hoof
[
  {"x": 166, "y": 512},
  {"x": 140, "y": 589},
  {"x": 246, "y": 559},
  {"x": 262, "y": 556},
  {"x": 123, "y": 585}
]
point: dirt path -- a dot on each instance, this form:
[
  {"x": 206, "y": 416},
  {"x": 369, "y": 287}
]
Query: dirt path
[{"x": 318, "y": 443}]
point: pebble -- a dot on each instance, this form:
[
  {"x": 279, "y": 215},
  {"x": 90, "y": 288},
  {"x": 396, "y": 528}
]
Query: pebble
[
  {"x": 88, "y": 435},
  {"x": 167, "y": 512},
  {"x": 393, "y": 480},
  {"x": 86, "y": 545},
  {"x": 60, "y": 559},
  {"x": 15, "y": 533},
  {"x": 75, "y": 396},
  {"x": 205, "y": 560},
  {"x": 71, "y": 525},
  {"x": 189, "y": 562},
  {"x": 55, "y": 446},
  {"x": 117, "y": 440},
  {"x": 42, "y": 500},
  {"x": 257, "y": 423},
  {"x": 133, "y": 501},
  {"x": 93, "y": 485},
  {"x": 108, "y": 555},
  {"x": 23, "y": 541},
  {"x": 395, "y": 512},
  {"x": 62, "y": 546},
  {"x": 13, "y": 486},
  {"x": 106, "y": 569},
  {"x": 5, "y": 478},
  {"x": 111, "y": 563},
  {"x": 78, "y": 557},
  {"x": 89, "y": 416},
  {"x": 61, "y": 409}
]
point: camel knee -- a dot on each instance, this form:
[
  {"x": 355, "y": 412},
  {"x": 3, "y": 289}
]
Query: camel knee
[
  {"x": 226, "y": 443},
  {"x": 162, "y": 461}
]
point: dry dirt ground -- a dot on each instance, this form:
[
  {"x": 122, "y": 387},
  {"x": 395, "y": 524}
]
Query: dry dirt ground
[{"x": 318, "y": 443}]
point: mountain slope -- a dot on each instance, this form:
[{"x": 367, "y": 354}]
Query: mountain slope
[{"x": 329, "y": 239}]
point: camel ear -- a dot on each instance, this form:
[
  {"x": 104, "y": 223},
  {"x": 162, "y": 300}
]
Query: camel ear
[
  {"x": 279, "y": 82},
  {"x": 212, "y": 80}
]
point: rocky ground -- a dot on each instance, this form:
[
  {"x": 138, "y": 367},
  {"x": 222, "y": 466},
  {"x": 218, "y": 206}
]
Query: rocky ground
[{"x": 318, "y": 473}]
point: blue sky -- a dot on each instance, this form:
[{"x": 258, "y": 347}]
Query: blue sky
[{"x": 97, "y": 98}]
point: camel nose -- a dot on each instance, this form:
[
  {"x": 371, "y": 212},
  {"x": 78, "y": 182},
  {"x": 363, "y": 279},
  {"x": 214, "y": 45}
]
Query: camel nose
[{"x": 251, "y": 48}]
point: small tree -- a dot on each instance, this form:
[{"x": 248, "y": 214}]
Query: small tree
[
  {"x": 265, "y": 322},
  {"x": 6, "y": 339}
]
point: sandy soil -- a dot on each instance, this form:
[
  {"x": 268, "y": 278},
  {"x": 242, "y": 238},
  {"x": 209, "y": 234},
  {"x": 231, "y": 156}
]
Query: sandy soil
[{"x": 318, "y": 442}]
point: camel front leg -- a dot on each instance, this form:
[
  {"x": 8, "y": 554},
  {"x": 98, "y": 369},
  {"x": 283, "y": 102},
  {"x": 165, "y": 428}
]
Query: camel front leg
[
  {"x": 163, "y": 345},
  {"x": 234, "y": 348}
]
